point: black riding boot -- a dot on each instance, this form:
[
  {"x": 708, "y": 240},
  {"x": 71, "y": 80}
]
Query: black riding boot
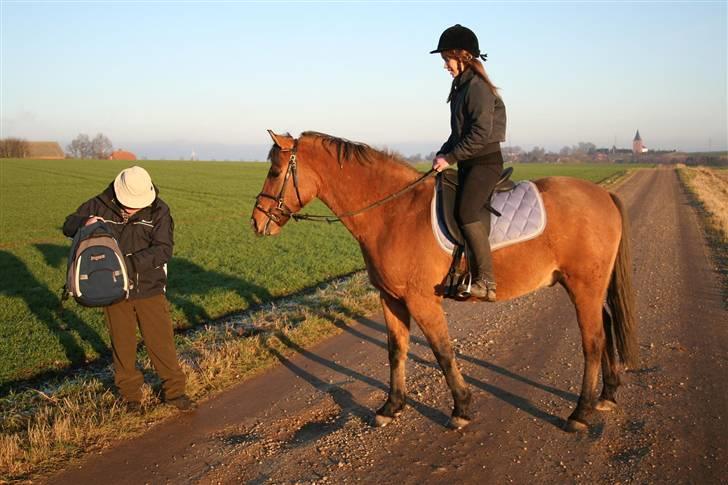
[{"x": 483, "y": 281}]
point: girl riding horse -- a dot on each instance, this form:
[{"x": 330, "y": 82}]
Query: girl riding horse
[{"x": 478, "y": 123}]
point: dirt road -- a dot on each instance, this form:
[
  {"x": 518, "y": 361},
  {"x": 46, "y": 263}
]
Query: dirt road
[{"x": 308, "y": 420}]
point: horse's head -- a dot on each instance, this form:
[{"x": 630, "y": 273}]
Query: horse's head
[{"x": 287, "y": 188}]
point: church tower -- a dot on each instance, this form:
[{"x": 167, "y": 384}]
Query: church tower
[{"x": 637, "y": 145}]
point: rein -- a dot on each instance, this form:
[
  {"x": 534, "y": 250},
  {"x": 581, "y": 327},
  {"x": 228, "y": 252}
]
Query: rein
[
  {"x": 329, "y": 219},
  {"x": 282, "y": 210}
]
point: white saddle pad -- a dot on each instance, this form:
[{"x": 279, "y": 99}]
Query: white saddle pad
[{"x": 522, "y": 218}]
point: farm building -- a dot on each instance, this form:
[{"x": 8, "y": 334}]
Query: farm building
[
  {"x": 122, "y": 155},
  {"x": 46, "y": 150}
]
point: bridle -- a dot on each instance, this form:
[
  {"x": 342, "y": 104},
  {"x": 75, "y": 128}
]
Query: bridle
[{"x": 281, "y": 212}]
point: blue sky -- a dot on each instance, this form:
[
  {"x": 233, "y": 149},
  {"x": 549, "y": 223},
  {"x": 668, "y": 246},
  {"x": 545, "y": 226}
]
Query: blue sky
[{"x": 163, "y": 78}]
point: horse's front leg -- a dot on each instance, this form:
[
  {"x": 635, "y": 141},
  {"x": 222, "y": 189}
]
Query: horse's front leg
[
  {"x": 430, "y": 317},
  {"x": 398, "y": 329}
]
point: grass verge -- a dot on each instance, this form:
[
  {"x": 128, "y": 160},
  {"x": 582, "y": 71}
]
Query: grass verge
[{"x": 707, "y": 189}]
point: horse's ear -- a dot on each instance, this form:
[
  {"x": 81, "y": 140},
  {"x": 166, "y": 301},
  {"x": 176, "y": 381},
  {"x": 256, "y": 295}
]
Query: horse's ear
[{"x": 281, "y": 141}]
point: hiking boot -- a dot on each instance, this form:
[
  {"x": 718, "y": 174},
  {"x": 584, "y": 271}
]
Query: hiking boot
[
  {"x": 183, "y": 403},
  {"x": 482, "y": 289}
]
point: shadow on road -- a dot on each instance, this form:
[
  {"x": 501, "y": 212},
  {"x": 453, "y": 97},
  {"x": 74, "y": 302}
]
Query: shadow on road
[
  {"x": 341, "y": 396},
  {"x": 506, "y": 396}
]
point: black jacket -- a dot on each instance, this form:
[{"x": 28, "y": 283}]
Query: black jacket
[
  {"x": 477, "y": 121},
  {"x": 146, "y": 239}
]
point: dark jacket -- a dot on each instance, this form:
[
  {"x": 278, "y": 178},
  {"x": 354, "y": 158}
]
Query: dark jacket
[
  {"x": 477, "y": 121},
  {"x": 146, "y": 239}
]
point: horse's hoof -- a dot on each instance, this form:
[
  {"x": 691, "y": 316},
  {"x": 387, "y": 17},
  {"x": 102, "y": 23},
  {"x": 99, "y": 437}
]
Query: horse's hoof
[
  {"x": 574, "y": 426},
  {"x": 381, "y": 421},
  {"x": 457, "y": 422},
  {"x": 605, "y": 405}
]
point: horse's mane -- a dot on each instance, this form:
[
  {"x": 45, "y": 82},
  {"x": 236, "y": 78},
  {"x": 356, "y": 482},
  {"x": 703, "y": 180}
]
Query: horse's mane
[{"x": 347, "y": 150}]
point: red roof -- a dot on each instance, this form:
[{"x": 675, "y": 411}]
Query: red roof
[{"x": 122, "y": 155}]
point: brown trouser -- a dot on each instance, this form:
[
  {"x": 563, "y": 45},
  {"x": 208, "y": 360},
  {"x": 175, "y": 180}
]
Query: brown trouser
[{"x": 152, "y": 316}]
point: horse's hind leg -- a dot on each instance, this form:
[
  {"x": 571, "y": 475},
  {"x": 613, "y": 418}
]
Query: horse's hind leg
[
  {"x": 589, "y": 314},
  {"x": 431, "y": 319},
  {"x": 610, "y": 369},
  {"x": 398, "y": 328}
]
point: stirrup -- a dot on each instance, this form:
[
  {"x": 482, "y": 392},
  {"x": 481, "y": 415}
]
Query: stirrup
[{"x": 463, "y": 289}]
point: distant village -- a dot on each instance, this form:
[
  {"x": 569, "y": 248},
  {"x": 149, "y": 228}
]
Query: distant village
[
  {"x": 101, "y": 148},
  {"x": 586, "y": 152}
]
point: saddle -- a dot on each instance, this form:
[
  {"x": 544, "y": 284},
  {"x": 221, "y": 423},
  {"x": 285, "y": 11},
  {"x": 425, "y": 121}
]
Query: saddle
[
  {"x": 447, "y": 185},
  {"x": 516, "y": 214}
]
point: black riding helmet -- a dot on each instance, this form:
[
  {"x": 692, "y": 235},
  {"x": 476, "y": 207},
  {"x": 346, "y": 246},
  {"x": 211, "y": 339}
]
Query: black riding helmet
[{"x": 459, "y": 37}]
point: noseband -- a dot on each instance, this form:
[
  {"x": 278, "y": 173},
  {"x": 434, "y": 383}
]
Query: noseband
[{"x": 281, "y": 211}]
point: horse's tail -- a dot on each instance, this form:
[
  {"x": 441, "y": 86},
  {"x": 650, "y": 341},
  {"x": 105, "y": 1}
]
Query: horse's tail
[{"x": 620, "y": 296}]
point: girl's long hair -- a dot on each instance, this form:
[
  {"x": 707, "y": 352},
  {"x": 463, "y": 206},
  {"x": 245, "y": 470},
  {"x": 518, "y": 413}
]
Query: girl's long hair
[{"x": 468, "y": 61}]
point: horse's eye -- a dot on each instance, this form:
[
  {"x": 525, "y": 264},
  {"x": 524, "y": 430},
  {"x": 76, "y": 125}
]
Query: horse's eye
[{"x": 274, "y": 172}]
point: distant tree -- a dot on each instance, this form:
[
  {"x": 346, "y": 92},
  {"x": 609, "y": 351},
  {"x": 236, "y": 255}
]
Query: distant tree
[
  {"x": 80, "y": 147},
  {"x": 101, "y": 147},
  {"x": 416, "y": 158},
  {"x": 83, "y": 147},
  {"x": 536, "y": 154},
  {"x": 565, "y": 152},
  {"x": 584, "y": 148},
  {"x": 13, "y": 148}
]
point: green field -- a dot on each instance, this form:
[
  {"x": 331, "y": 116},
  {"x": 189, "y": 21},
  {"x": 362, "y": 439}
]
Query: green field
[{"x": 219, "y": 266}]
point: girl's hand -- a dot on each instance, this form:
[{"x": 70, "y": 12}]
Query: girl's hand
[{"x": 439, "y": 164}]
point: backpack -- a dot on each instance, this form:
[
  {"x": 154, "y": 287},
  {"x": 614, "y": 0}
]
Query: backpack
[{"x": 97, "y": 273}]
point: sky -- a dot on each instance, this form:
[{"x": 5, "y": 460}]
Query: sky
[{"x": 165, "y": 78}]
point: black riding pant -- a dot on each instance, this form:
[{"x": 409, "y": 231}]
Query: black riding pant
[{"x": 475, "y": 186}]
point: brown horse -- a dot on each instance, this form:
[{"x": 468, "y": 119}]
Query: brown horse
[{"x": 584, "y": 248}]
